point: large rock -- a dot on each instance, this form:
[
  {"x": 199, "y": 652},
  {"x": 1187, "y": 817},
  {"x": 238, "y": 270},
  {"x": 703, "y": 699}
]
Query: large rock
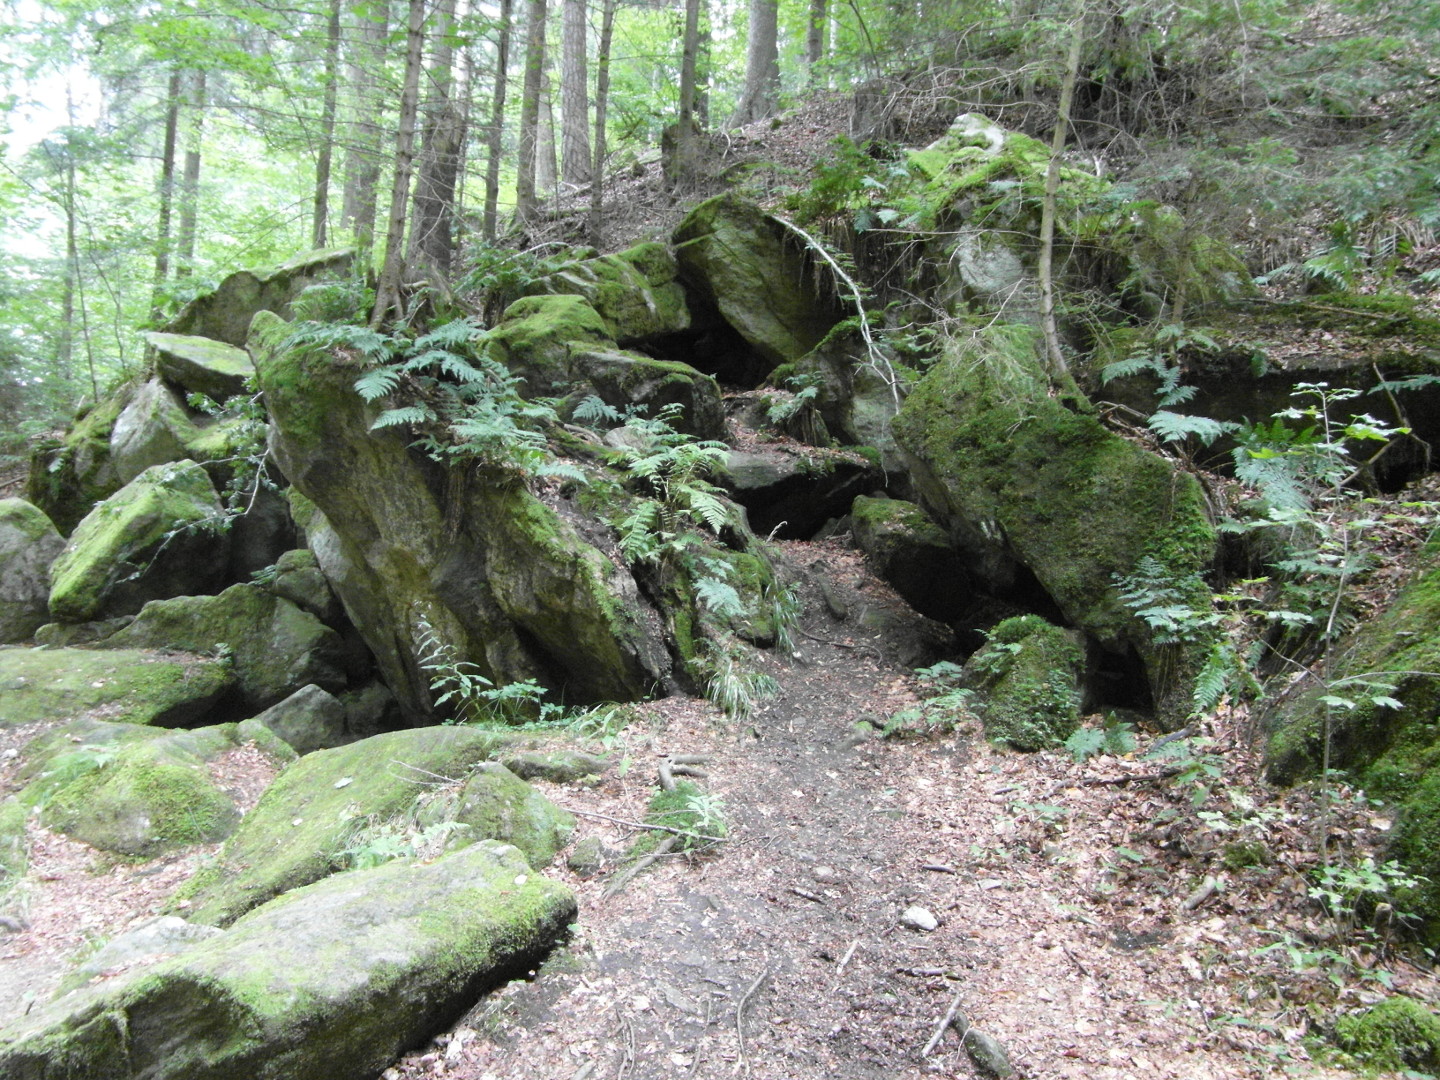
[
  {"x": 29, "y": 543},
  {"x": 1029, "y": 676},
  {"x": 330, "y": 983},
  {"x": 276, "y": 648},
  {"x": 309, "y": 719},
  {"x": 757, "y": 274},
  {"x": 153, "y": 429},
  {"x": 1391, "y": 752},
  {"x": 1023, "y": 479},
  {"x": 559, "y": 345},
  {"x": 201, "y": 365},
  {"x": 311, "y": 813},
  {"x": 913, "y": 554},
  {"x": 795, "y": 491},
  {"x": 454, "y": 566},
  {"x": 495, "y": 804},
  {"x": 69, "y": 476},
  {"x": 127, "y": 684},
  {"x": 224, "y": 315},
  {"x": 635, "y": 292},
  {"x": 137, "y": 791},
  {"x": 159, "y": 536}
]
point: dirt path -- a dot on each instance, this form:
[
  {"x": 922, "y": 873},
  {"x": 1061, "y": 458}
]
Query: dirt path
[{"x": 784, "y": 956}]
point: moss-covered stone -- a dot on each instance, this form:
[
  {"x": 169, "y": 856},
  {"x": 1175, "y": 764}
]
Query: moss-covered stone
[
  {"x": 69, "y": 476},
  {"x": 156, "y": 537},
  {"x": 745, "y": 264},
  {"x": 130, "y": 685},
  {"x": 29, "y": 543},
  {"x": 537, "y": 334},
  {"x": 1019, "y": 476},
  {"x": 500, "y": 579},
  {"x": 1393, "y": 753},
  {"x": 202, "y": 365},
  {"x": 496, "y": 804},
  {"x": 153, "y": 429},
  {"x": 635, "y": 292},
  {"x": 275, "y": 647},
  {"x": 1029, "y": 676},
  {"x": 912, "y": 553},
  {"x": 624, "y": 379},
  {"x": 1399, "y": 1033},
  {"x": 335, "y": 980},
  {"x": 299, "y": 579},
  {"x": 297, "y": 832}
]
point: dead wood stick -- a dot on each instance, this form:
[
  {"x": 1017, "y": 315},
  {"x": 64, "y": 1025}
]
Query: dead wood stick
[
  {"x": 806, "y": 894},
  {"x": 1207, "y": 889},
  {"x": 840, "y": 968},
  {"x": 646, "y": 825},
  {"x": 939, "y": 868},
  {"x": 950, "y": 1016},
  {"x": 740, "y": 1014},
  {"x": 627, "y": 875},
  {"x": 1134, "y": 778},
  {"x": 667, "y": 781}
]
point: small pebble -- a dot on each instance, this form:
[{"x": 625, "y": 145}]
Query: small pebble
[{"x": 918, "y": 918}]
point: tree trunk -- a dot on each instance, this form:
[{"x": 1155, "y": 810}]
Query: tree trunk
[
  {"x": 387, "y": 294},
  {"x": 433, "y": 226},
  {"x": 319, "y": 218},
  {"x": 602, "y": 101},
  {"x": 547, "y": 172},
  {"x": 167, "y": 194},
  {"x": 525, "y": 203},
  {"x": 497, "y": 122},
  {"x": 680, "y": 144},
  {"x": 815, "y": 39},
  {"x": 762, "y": 66},
  {"x": 362, "y": 159},
  {"x": 574, "y": 97},
  {"x": 190, "y": 177},
  {"x": 1055, "y": 359}
]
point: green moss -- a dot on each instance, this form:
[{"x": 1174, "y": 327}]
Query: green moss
[
  {"x": 132, "y": 685},
  {"x": 536, "y": 335},
  {"x": 1399, "y": 1033},
  {"x": 303, "y": 381},
  {"x": 498, "y": 805},
  {"x": 635, "y": 292},
  {"x": 1028, "y": 674},
  {"x": 67, "y": 478},
  {"x": 13, "y": 849},
  {"x": 122, "y": 534}
]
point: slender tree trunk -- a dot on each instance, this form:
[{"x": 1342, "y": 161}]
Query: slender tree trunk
[
  {"x": 680, "y": 144},
  {"x": 387, "y": 294},
  {"x": 525, "y": 202},
  {"x": 602, "y": 103},
  {"x": 362, "y": 159},
  {"x": 1055, "y": 359},
  {"x": 163, "y": 238},
  {"x": 433, "y": 227},
  {"x": 547, "y": 172},
  {"x": 574, "y": 96},
  {"x": 319, "y": 218},
  {"x": 815, "y": 38},
  {"x": 497, "y": 122},
  {"x": 762, "y": 65},
  {"x": 190, "y": 177}
]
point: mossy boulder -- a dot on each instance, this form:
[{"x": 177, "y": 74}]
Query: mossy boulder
[
  {"x": 307, "y": 720},
  {"x": 29, "y": 543},
  {"x": 1397, "y": 1034},
  {"x": 133, "y": 790},
  {"x": 1029, "y": 676},
  {"x": 297, "y": 832},
  {"x": 274, "y": 646},
  {"x": 224, "y": 315},
  {"x": 537, "y": 334},
  {"x": 152, "y": 429},
  {"x": 746, "y": 265},
  {"x": 482, "y": 570},
  {"x": 910, "y": 551},
  {"x": 68, "y": 476},
  {"x": 159, "y": 536},
  {"x": 635, "y": 292},
  {"x": 623, "y": 379},
  {"x": 332, "y": 982},
  {"x": 201, "y": 365},
  {"x": 1021, "y": 478},
  {"x": 129, "y": 685},
  {"x": 554, "y": 766},
  {"x": 1393, "y": 753},
  {"x": 794, "y": 489},
  {"x": 495, "y": 804},
  {"x": 299, "y": 579}
]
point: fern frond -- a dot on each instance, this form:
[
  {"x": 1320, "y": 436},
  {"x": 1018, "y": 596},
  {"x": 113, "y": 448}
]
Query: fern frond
[
  {"x": 1177, "y": 427},
  {"x": 406, "y": 414},
  {"x": 709, "y": 507},
  {"x": 378, "y": 383},
  {"x": 720, "y": 597},
  {"x": 454, "y": 333}
]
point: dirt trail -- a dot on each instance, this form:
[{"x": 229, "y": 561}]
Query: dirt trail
[{"x": 784, "y": 958}]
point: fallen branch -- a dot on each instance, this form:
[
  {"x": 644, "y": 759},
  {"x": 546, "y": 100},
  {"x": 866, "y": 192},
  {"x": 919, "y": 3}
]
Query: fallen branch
[
  {"x": 684, "y": 833},
  {"x": 628, "y": 874},
  {"x": 951, "y": 1015},
  {"x": 1133, "y": 778},
  {"x": 840, "y": 969},
  {"x": 740, "y": 1015}
]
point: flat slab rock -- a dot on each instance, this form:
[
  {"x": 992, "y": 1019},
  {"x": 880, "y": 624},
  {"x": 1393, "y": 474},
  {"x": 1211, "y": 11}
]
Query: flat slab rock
[{"x": 330, "y": 982}]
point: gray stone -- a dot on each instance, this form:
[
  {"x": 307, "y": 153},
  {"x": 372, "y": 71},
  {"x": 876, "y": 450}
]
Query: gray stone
[
  {"x": 29, "y": 543},
  {"x": 554, "y": 766},
  {"x": 987, "y": 1055},
  {"x": 587, "y": 858},
  {"x": 153, "y": 429},
  {"x": 910, "y": 551},
  {"x": 65, "y": 635},
  {"x": 370, "y": 709},
  {"x": 202, "y": 365},
  {"x": 330, "y": 983},
  {"x": 309, "y": 719},
  {"x": 151, "y": 941},
  {"x": 128, "y": 684},
  {"x": 497, "y": 805},
  {"x": 919, "y": 918},
  {"x": 799, "y": 488},
  {"x": 299, "y": 579}
]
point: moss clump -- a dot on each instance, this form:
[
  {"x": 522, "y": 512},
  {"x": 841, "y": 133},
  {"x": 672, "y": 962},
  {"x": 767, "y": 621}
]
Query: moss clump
[
  {"x": 635, "y": 292},
  {"x": 686, "y": 807},
  {"x": 537, "y": 334},
  {"x": 1028, "y": 675},
  {"x": 1397, "y": 1034},
  {"x": 498, "y": 805},
  {"x": 69, "y": 476}
]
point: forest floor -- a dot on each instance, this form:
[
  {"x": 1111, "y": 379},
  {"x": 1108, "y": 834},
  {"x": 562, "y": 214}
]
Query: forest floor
[{"x": 1093, "y": 918}]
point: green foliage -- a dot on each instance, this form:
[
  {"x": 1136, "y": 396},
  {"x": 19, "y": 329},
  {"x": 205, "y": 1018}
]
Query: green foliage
[
  {"x": 373, "y": 843},
  {"x": 730, "y": 682},
  {"x": 1114, "y": 738},
  {"x": 947, "y": 705},
  {"x": 1397, "y": 1034},
  {"x": 697, "y": 815},
  {"x": 340, "y": 302},
  {"x": 1196, "y": 766},
  {"x": 471, "y": 697},
  {"x": 1349, "y": 891}
]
